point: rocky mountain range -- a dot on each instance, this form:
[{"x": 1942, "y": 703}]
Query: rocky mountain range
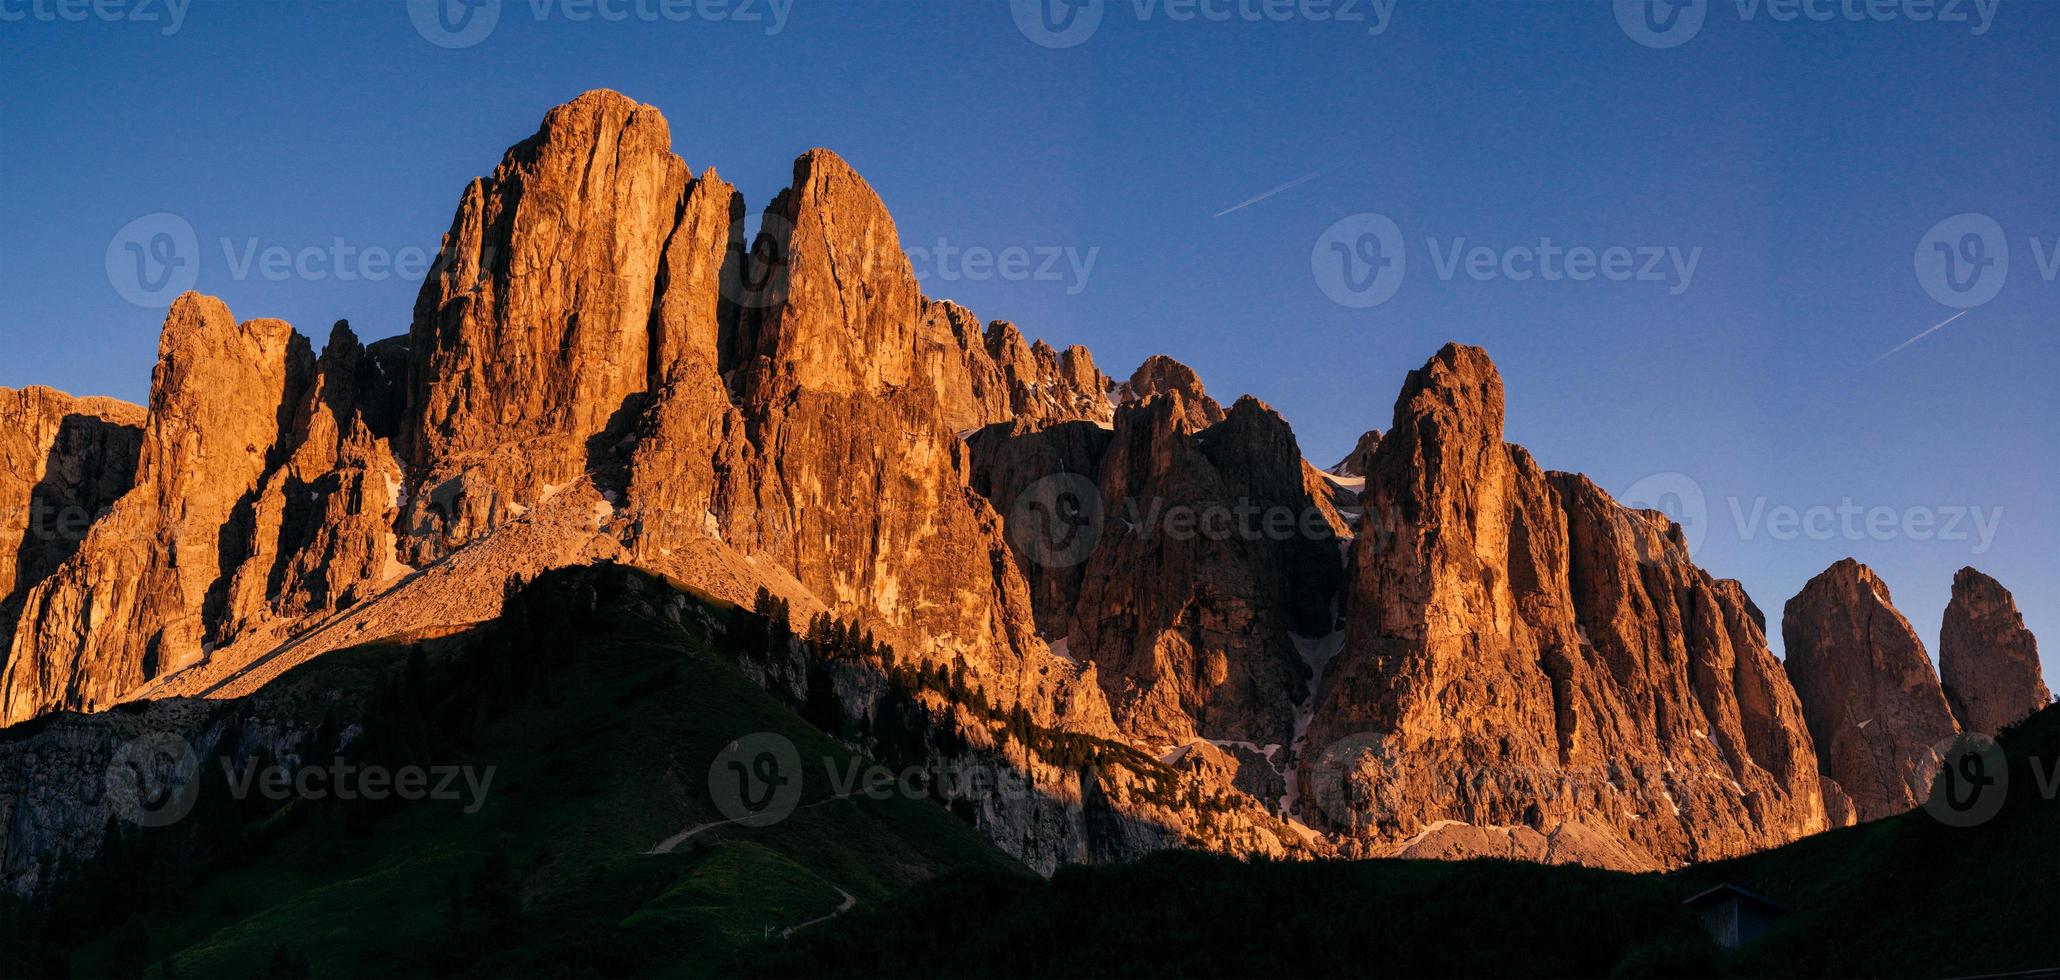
[{"x": 1436, "y": 648}]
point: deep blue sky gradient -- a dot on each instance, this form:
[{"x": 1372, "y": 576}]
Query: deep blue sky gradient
[{"x": 1805, "y": 160}]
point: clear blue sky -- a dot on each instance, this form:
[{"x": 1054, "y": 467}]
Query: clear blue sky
[{"x": 1805, "y": 159}]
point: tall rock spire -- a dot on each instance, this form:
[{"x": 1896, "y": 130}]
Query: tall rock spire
[
  {"x": 146, "y": 588},
  {"x": 1987, "y": 661},
  {"x": 533, "y": 334},
  {"x": 1867, "y": 687}
]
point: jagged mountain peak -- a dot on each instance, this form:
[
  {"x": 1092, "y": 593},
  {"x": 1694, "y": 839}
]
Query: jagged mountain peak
[
  {"x": 1458, "y": 387},
  {"x": 1354, "y": 463},
  {"x": 1160, "y": 376}
]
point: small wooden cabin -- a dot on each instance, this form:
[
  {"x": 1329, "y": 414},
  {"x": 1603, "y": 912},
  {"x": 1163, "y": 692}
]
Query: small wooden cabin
[{"x": 1734, "y": 916}]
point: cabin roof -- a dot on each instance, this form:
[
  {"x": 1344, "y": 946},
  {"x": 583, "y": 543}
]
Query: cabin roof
[{"x": 1730, "y": 890}]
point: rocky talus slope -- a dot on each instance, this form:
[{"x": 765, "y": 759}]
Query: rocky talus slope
[{"x": 1437, "y": 649}]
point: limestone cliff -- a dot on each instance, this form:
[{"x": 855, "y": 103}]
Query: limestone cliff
[
  {"x": 144, "y": 594},
  {"x": 63, "y": 462},
  {"x": 1988, "y": 662},
  {"x": 532, "y": 335},
  {"x": 1872, "y": 701},
  {"x": 1512, "y": 659}
]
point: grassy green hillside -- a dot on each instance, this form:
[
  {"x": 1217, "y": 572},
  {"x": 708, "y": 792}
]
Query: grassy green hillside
[{"x": 600, "y": 715}]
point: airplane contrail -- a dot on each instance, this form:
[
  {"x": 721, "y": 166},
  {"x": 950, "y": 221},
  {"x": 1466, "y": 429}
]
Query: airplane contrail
[
  {"x": 1297, "y": 182},
  {"x": 1934, "y": 329}
]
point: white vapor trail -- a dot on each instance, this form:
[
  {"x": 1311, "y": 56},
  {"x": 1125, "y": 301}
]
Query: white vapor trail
[
  {"x": 1297, "y": 182},
  {"x": 1932, "y": 330}
]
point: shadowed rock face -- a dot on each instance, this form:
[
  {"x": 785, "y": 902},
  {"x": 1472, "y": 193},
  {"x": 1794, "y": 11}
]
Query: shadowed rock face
[
  {"x": 1868, "y": 691},
  {"x": 1207, "y": 554},
  {"x": 1035, "y": 475},
  {"x": 1988, "y": 662},
  {"x": 1355, "y": 462},
  {"x": 1213, "y": 556},
  {"x": 63, "y": 462},
  {"x": 1521, "y": 651},
  {"x": 322, "y": 524},
  {"x": 145, "y": 590}
]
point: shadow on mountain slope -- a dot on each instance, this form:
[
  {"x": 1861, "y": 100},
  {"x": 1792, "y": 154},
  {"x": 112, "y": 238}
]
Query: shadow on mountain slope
[
  {"x": 597, "y": 715},
  {"x": 584, "y": 839},
  {"x": 1912, "y": 895}
]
